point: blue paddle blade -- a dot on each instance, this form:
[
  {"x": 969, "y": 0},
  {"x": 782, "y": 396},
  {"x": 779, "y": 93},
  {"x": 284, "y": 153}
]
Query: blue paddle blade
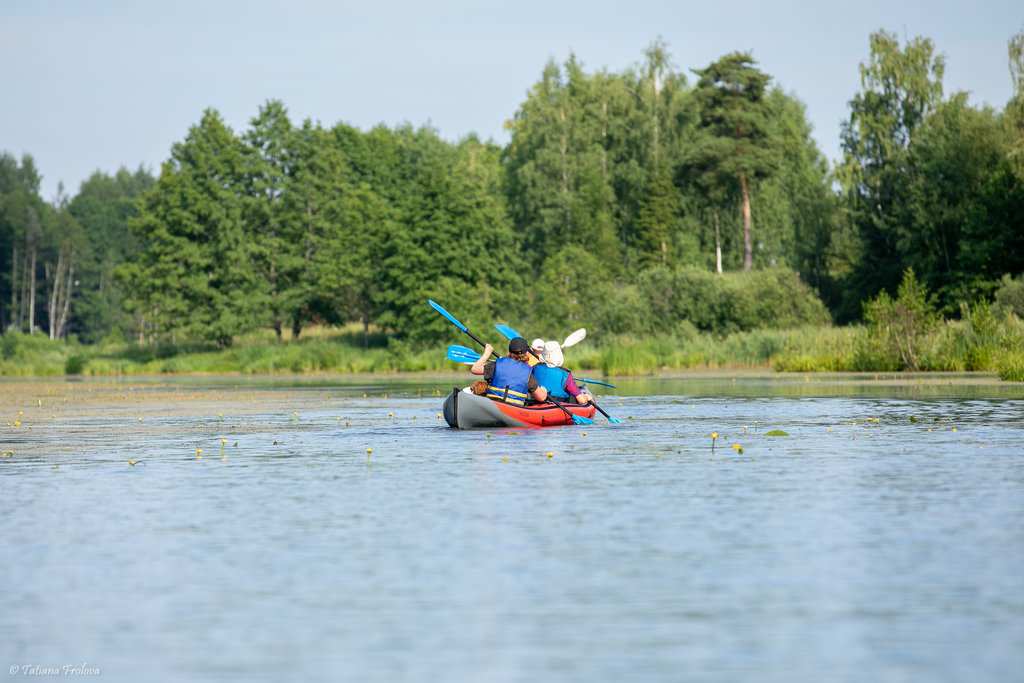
[
  {"x": 437, "y": 307},
  {"x": 507, "y": 331},
  {"x": 580, "y": 420},
  {"x": 464, "y": 351},
  {"x": 461, "y": 354}
]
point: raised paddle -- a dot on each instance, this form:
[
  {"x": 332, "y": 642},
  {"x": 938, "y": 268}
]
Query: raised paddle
[
  {"x": 463, "y": 354},
  {"x": 574, "y": 338},
  {"x": 576, "y": 419},
  {"x": 451, "y": 318}
]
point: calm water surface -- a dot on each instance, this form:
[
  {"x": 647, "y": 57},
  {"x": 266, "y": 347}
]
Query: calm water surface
[{"x": 881, "y": 540}]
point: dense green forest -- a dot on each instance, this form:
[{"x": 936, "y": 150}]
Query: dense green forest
[{"x": 641, "y": 204}]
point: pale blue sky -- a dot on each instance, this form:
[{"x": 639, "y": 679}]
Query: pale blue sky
[{"x": 99, "y": 84}]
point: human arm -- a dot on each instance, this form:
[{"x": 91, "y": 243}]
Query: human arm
[
  {"x": 533, "y": 386},
  {"x": 477, "y": 368},
  {"x": 573, "y": 390}
]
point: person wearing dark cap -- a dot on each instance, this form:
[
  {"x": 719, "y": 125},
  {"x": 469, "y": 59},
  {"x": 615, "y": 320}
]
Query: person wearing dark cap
[{"x": 510, "y": 378}]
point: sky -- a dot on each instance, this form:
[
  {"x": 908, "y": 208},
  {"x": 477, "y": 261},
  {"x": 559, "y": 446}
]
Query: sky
[{"x": 89, "y": 85}]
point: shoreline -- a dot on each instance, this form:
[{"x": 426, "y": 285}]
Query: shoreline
[{"x": 187, "y": 393}]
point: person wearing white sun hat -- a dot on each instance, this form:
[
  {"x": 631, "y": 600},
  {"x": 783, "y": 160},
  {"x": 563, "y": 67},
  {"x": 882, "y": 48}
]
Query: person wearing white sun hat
[{"x": 556, "y": 379}]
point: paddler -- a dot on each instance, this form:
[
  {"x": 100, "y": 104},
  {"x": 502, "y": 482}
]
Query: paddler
[
  {"x": 556, "y": 379},
  {"x": 510, "y": 378}
]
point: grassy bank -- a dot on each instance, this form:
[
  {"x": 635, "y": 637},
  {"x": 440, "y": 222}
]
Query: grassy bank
[
  {"x": 975, "y": 343},
  {"x": 318, "y": 350},
  {"x": 954, "y": 346}
]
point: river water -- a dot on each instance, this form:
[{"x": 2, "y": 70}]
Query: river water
[{"x": 341, "y": 531}]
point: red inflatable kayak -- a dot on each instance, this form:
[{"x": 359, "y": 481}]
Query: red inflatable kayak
[{"x": 464, "y": 410}]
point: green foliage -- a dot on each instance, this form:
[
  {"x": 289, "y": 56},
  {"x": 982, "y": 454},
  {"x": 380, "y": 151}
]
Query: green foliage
[
  {"x": 797, "y": 206},
  {"x": 561, "y": 193},
  {"x": 617, "y": 309},
  {"x": 627, "y": 360},
  {"x": 659, "y": 218},
  {"x": 736, "y": 141},
  {"x": 735, "y": 133},
  {"x": 728, "y": 302},
  {"x": 103, "y": 207},
  {"x": 1008, "y": 360},
  {"x": 952, "y": 155},
  {"x": 445, "y": 248},
  {"x": 1010, "y": 295},
  {"x": 902, "y": 85},
  {"x": 566, "y": 291},
  {"x": 1010, "y": 365},
  {"x": 195, "y": 275},
  {"x": 900, "y": 324},
  {"x": 609, "y": 209},
  {"x": 993, "y": 235},
  {"x": 821, "y": 349},
  {"x": 28, "y": 355}
]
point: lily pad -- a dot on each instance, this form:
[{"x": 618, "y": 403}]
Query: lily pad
[{"x": 776, "y": 432}]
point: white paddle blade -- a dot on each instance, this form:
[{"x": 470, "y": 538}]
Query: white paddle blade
[{"x": 574, "y": 338}]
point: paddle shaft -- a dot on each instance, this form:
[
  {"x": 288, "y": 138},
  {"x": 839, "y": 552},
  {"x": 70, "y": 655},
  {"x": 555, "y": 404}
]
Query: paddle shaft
[
  {"x": 440, "y": 309},
  {"x": 594, "y": 381},
  {"x": 477, "y": 340},
  {"x": 610, "y": 418},
  {"x": 600, "y": 409}
]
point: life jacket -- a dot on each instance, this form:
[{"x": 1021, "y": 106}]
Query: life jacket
[
  {"x": 552, "y": 379},
  {"x": 509, "y": 382}
]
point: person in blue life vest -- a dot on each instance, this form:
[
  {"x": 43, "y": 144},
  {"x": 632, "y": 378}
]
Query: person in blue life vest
[
  {"x": 510, "y": 378},
  {"x": 556, "y": 379}
]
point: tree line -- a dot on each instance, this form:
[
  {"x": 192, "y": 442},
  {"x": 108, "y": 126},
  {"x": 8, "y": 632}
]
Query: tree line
[{"x": 625, "y": 202}]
